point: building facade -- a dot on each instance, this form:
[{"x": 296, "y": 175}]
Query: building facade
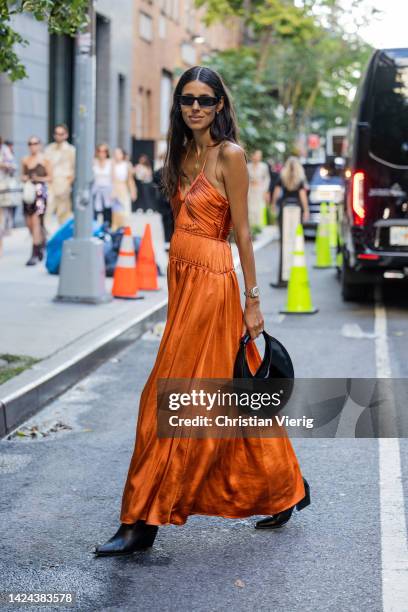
[
  {"x": 140, "y": 46},
  {"x": 35, "y": 104},
  {"x": 24, "y": 104}
]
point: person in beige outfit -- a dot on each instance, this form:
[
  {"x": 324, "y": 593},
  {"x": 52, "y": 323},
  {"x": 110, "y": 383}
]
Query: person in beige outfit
[
  {"x": 124, "y": 189},
  {"x": 258, "y": 193},
  {"x": 61, "y": 155}
]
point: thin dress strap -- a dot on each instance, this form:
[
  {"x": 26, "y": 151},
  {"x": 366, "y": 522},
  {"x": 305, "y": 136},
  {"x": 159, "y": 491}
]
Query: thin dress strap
[
  {"x": 205, "y": 159},
  {"x": 201, "y": 171}
]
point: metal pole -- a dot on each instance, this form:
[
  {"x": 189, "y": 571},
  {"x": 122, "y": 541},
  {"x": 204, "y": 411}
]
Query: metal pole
[
  {"x": 84, "y": 125},
  {"x": 82, "y": 270}
]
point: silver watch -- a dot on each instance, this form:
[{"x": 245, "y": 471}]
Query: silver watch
[{"x": 253, "y": 292}]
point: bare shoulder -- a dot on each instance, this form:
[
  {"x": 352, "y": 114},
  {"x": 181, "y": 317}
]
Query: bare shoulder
[
  {"x": 232, "y": 153},
  {"x": 233, "y": 161}
]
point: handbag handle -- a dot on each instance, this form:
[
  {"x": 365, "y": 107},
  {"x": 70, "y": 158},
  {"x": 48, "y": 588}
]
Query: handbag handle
[
  {"x": 263, "y": 369},
  {"x": 267, "y": 368}
]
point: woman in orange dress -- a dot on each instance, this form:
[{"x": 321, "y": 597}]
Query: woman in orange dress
[{"x": 169, "y": 479}]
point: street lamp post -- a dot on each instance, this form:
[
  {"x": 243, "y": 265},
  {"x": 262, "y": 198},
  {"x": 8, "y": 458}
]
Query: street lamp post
[{"x": 82, "y": 270}]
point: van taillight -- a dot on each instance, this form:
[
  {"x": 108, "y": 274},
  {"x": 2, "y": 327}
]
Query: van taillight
[{"x": 358, "y": 198}]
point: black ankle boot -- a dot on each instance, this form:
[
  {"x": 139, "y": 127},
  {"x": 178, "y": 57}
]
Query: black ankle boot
[
  {"x": 277, "y": 520},
  {"x": 305, "y": 501},
  {"x": 128, "y": 539},
  {"x": 41, "y": 248},
  {"x": 35, "y": 255}
]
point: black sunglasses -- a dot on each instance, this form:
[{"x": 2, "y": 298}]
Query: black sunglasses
[
  {"x": 33, "y": 142},
  {"x": 202, "y": 100}
]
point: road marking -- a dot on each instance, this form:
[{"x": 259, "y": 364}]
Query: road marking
[
  {"x": 382, "y": 356},
  {"x": 394, "y": 552},
  {"x": 353, "y": 330}
]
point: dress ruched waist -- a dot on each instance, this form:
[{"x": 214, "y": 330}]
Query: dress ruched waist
[{"x": 199, "y": 250}]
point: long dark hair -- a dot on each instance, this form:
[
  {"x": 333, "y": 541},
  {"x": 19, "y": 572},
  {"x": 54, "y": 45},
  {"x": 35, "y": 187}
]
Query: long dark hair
[{"x": 224, "y": 126}]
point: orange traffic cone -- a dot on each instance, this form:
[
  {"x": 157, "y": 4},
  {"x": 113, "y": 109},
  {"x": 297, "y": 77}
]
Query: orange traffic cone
[
  {"x": 146, "y": 269},
  {"x": 124, "y": 278}
]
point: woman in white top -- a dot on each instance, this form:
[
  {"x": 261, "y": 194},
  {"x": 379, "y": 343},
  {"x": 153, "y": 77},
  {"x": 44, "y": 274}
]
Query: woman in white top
[
  {"x": 258, "y": 192},
  {"x": 102, "y": 184},
  {"x": 143, "y": 169},
  {"x": 124, "y": 189}
]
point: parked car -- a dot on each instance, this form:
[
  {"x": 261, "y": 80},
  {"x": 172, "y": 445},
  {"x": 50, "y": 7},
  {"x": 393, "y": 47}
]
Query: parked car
[
  {"x": 374, "y": 219},
  {"x": 326, "y": 184}
]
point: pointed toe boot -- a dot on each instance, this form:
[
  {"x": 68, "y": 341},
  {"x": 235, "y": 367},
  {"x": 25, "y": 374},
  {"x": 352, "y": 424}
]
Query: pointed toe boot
[
  {"x": 128, "y": 539},
  {"x": 279, "y": 519},
  {"x": 275, "y": 521}
]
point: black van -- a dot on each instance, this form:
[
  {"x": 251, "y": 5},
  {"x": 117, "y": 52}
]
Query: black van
[{"x": 374, "y": 216}]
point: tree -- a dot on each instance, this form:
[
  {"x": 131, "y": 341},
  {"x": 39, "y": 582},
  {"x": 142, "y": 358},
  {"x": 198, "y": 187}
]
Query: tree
[
  {"x": 255, "y": 103},
  {"x": 307, "y": 57},
  {"x": 62, "y": 17}
]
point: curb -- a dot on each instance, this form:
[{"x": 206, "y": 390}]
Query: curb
[
  {"x": 54, "y": 375},
  {"x": 26, "y": 394}
]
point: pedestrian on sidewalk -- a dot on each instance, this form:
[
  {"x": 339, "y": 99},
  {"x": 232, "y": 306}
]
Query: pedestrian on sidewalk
[
  {"x": 258, "y": 193},
  {"x": 61, "y": 155},
  {"x": 274, "y": 177},
  {"x": 171, "y": 478},
  {"x": 143, "y": 169},
  {"x": 124, "y": 189},
  {"x": 7, "y": 168},
  {"x": 163, "y": 203},
  {"x": 143, "y": 173},
  {"x": 36, "y": 173},
  {"x": 102, "y": 185},
  {"x": 290, "y": 188},
  {"x": 14, "y": 186},
  {"x": 5, "y": 197}
]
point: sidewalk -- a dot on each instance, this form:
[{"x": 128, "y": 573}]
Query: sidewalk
[
  {"x": 32, "y": 324},
  {"x": 69, "y": 340}
]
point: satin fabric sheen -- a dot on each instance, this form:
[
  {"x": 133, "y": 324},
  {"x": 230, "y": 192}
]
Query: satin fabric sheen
[{"x": 170, "y": 479}]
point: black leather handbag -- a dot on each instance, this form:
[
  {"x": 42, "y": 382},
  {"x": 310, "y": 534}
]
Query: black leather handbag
[{"x": 276, "y": 364}]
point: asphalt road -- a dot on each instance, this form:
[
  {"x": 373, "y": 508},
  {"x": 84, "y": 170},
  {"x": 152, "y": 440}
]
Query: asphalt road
[{"x": 61, "y": 494}]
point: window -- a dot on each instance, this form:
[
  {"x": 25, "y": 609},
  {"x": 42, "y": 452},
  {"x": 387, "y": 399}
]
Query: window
[
  {"x": 188, "y": 54},
  {"x": 61, "y": 75},
  {"x": 145, "y": 27},
  {"x": 189, "y": 15},
  {"x": 103, "y": 93},
  {"x": 165, "y": 101},
  {"x": 148, "y": 114},
  {"x": 121, "y": 122},
  {"x": 139, "y": 113},
  {"x": 162, "y": 26},
  {"x": 389, "y": 125}
]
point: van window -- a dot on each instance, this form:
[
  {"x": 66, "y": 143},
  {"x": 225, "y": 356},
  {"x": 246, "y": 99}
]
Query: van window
[{"x": 389, "y": 125}]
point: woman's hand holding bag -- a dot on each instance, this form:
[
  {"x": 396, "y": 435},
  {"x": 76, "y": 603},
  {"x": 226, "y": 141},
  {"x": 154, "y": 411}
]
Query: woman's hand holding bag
[{"x": 276, "y": 365}]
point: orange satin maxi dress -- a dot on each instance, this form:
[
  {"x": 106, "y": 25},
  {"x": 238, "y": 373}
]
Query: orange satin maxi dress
[{"x": 172, "y": 478}]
